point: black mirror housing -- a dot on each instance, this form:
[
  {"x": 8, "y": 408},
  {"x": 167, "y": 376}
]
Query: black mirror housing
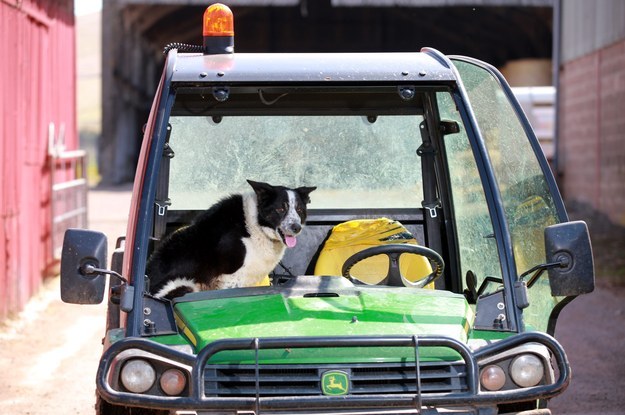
[
  {"x": 83, "y": 250},
  {"x": 569, "y": 244}
]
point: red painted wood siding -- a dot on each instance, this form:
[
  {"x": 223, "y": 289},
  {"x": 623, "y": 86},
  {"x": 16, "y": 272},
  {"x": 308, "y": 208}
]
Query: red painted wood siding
[{"x": 37, "y": 88}]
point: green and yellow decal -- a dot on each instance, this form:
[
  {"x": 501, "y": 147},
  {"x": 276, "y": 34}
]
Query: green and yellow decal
[{"x": 334, "y": 383}]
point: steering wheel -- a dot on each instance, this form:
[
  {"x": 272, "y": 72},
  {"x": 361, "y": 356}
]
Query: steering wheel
[{"x": 393, "y": 252}]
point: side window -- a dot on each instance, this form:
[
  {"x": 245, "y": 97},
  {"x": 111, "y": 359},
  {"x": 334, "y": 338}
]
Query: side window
[
  {"x": 528, "y": 203},
  {"x": 478, "y": 248}
]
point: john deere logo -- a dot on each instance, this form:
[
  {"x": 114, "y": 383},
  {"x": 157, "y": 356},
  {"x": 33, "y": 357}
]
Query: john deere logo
[{"x": 334, "y": 383}]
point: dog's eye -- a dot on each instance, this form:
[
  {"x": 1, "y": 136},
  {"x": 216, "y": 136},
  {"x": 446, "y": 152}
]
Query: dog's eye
[{"x": 282, "y": 208}]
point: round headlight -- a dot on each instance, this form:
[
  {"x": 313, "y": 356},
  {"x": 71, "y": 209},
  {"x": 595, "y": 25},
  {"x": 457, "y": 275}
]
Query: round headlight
[
  {"x": 492, "y": 378},
  {"x": 527, "y": 370},
  {"x": 173, "y": 382},
  {"x": 138, "y": 375}
]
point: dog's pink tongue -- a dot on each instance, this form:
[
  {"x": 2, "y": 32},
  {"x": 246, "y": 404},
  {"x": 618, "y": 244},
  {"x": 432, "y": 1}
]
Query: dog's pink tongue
[{"x": 290, "y": 241}]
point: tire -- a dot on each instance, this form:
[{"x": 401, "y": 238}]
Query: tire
[
  {"x": 102, "y": 407},
  {"x": 518, "y": 407}
]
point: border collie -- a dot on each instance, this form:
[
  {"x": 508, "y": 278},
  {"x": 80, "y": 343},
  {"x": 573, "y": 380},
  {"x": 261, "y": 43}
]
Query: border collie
[{"x": 235, "y": 243}]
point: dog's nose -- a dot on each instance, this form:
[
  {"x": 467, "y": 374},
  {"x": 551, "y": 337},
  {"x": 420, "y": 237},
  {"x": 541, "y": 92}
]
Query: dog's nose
[{"x": 296, "y": 227}]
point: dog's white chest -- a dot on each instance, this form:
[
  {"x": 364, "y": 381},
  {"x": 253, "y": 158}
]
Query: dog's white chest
[{"x": 261, "y": 257}]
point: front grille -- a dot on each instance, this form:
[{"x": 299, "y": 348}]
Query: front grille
[{"x": 302, "y": 380}]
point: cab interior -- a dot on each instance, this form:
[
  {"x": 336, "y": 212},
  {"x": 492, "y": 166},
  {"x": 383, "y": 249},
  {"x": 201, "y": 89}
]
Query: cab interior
[{"x": 379, "y": 135}]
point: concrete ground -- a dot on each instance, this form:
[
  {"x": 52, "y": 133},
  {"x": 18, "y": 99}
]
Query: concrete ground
[{"x": 49, "y": 353}]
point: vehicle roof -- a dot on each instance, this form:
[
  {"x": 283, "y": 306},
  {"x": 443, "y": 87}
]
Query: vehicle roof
[{"x": 410, "y": 67}]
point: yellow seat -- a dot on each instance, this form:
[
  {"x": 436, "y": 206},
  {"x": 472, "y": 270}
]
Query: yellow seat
[{"x": 350, "y": 237}]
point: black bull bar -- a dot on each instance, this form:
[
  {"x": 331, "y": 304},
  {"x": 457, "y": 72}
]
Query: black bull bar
[{"x": 197, "y": 400}]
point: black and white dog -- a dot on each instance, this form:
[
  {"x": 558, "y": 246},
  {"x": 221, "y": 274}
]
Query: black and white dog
[{"x": 235, "y": 243}]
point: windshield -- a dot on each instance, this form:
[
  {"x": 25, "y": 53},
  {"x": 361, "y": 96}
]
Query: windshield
[
  {"x": 355, "y": 161},
  {"x": 359, "y": 150}
]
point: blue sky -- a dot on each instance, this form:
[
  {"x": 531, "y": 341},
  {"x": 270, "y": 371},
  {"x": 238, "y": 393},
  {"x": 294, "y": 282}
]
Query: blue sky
[{"x": 86, "y": 6}]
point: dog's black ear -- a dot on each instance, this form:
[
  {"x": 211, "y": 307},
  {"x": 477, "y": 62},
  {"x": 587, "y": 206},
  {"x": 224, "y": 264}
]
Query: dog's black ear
[
  {"x": 261, "y": 189},
  {"x": 304, "y": 193}
]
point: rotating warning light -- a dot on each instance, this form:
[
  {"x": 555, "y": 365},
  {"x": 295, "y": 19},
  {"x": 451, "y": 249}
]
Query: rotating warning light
[{"x": 218, "y": 29}]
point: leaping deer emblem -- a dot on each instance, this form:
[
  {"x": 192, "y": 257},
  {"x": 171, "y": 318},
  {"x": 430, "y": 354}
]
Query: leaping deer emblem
[{"x": 335, "y": 383}]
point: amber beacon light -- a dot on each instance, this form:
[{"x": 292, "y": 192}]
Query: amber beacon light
[{"x": 218, "y": 30}]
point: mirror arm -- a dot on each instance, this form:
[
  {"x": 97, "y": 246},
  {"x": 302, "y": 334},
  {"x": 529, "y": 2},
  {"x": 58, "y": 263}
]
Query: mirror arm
[
  {"x": 539, "y": 270},
  {"x": 90, "y": 269}
]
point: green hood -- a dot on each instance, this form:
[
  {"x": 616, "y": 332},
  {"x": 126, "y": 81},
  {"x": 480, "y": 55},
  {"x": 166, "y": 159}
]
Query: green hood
[{"x": 336, "y": 309}]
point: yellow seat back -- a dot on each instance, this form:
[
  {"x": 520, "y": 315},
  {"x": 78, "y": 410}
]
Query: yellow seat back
[{"x": 350, "y": 237}]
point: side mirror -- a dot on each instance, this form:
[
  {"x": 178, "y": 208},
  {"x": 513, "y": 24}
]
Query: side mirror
[
  {"x": 84, "y": 253},
  {"x": 569, "y": 245}
]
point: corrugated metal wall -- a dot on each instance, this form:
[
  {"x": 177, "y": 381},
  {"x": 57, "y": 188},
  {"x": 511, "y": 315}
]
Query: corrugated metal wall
[
  {"x": 590, "y": 25},
  {"x": 37, "y": 102}
]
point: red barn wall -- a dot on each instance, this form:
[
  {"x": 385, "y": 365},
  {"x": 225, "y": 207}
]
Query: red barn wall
[{"x": 37, "y": 91}]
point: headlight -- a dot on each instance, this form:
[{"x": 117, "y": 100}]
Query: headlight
[
  {"x": 173, "y": 382},
  {"x": 492, "y": 378},
  {"x": 526, "y": 370},
  {"x": 138, "y": 375}
]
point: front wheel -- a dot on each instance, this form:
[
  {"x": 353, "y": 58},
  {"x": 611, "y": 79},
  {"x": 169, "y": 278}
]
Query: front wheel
[{"x": 103, "y": 407}]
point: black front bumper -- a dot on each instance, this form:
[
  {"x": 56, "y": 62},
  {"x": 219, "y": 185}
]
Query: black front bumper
[{"x": 470, "y": 400}]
